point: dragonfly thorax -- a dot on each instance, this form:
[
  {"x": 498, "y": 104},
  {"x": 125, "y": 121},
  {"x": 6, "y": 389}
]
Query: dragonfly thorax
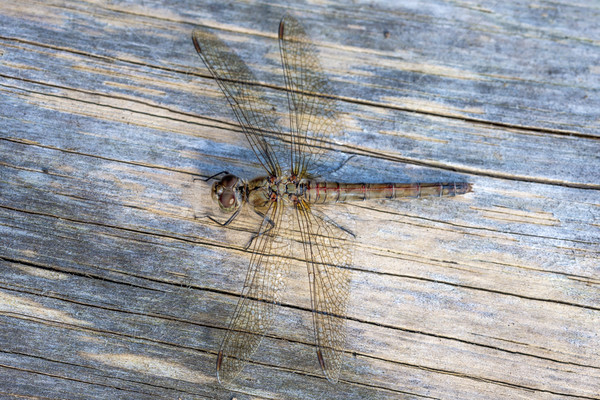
[
  {"x": 285, "y": 188},
  {"x": 229, "y": 193}
]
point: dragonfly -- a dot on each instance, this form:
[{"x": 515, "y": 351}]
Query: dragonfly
[{"x": 288, "y": 197}]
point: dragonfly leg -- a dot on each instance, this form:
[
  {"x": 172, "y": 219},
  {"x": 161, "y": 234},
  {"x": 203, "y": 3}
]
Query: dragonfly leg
[
  {"x": 212, "y": 177},
  {"x": 325, "y": 218},
  {"x": 256, "y": 236},
  {"x": 235, "y": 214}
]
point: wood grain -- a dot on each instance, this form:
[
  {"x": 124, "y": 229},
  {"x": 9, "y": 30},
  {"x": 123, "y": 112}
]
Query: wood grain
[{"x": 114, "y": 284}]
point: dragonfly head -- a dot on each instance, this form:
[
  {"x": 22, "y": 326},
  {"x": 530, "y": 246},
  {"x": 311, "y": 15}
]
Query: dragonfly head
[{"x": 228, "y": 193}]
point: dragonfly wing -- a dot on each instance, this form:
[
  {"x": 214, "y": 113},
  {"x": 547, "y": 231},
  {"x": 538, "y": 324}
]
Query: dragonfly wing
[
  {"x": 264, "y": 283},
  {"x": 328, "y": 250},
  {"x": 314, "y": 117},
  {"x": 247, "y": 99}
]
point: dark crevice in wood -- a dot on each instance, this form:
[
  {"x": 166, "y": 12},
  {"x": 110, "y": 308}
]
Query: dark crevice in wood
[
  {"x": 113, "y": 96},
  {"x": 138, "y": 164},
  {"x": 89, "y": 200},
  {"x": 121, "y": 228},
  {"x": 433, "y": 261},
  {"x": 68, "y": 378},
  {"x": 487, "y": 123},
  {"x": 39, "y": 357},
  {"x": 65, "y": 325},
  {"x": 471, "y": 227},
  {"x": 107, "y": 59},
  {"x": 360, "y": 384},
  {"x": 487, "y": 290},
  {"x": 70, "y": 271},
  {"x": 478, "y": 378},
  {"x": 476, "y": 172},
  {"x": 41, "y": 170},
  {"x": 452, "y": 339},
  {"x": 92, "y": 368},
  {"x": 584, "y": 278}
]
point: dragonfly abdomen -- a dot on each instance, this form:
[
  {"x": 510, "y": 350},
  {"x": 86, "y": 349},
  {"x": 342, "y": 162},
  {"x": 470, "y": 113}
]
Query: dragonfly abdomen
[{"x": 316, "y": 192}]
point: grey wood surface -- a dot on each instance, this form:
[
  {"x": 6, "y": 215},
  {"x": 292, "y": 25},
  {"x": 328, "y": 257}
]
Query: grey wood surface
[{"x": 115, "y": 285}]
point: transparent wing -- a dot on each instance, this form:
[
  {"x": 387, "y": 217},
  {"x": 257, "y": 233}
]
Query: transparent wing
[
  {"x": 314, "y": 117},
  {"x": 328, "y": 251},
  {"x": 246, "y": 98},
  {"x": 265, "y": 280}
]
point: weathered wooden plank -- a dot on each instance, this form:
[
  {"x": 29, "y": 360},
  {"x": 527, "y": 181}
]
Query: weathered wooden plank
[{"x": 115, "y": 285}]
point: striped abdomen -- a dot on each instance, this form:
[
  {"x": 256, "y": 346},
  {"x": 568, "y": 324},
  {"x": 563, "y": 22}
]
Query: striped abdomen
[{"x": 332, "y": 192}]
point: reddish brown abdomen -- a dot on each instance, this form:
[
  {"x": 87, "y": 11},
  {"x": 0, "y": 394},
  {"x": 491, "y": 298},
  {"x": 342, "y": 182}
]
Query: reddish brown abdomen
[{"x": 333, "y": 192}]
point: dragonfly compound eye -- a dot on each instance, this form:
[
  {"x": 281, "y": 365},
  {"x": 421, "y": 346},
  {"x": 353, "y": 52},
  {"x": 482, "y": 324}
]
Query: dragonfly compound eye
[
  {"x": 229, "y": 181},
  {"x": 228, "y": 201}
]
